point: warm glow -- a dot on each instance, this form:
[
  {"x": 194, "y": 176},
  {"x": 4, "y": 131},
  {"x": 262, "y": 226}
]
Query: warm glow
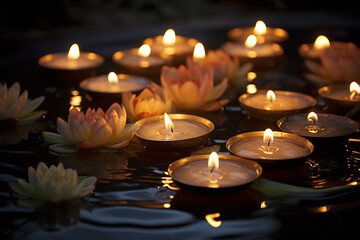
[
  {"x": 199, "y": 51},
  {"x": 260, "y": 28},
  {"x": 144, "y": 50},
  {"x": 263, "y": 205},
  {"x": 354, "y": 88},
  {"x": 251, "y": 88},
  {"x": 213, "y": 160},
  {"x": 169, "y": 37},
  {"x": 251, "y": 76},
  {"x": 312, "y": 117},
  {"x": 251, "y": 41},
  {"x": 74, "y": 52},
  {"x": 270, "y": 95},
  {"x": 113, "y": 78},
  {"x": 268, "y": 136},
  {"x": 210, "y": 218},
  {"x": 168, "y": 123},
  {"x": 321, "y": 42},
  {"x": 166, "y": 205}
]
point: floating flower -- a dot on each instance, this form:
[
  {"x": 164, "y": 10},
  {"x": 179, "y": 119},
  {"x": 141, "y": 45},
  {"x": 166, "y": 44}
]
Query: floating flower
[
  {"x": 338, "y": 65},
  {"x": 150, "y": 102},
  {"x": 91, "y": 130},
  {"x": 18, "y": 108},
  {"x": 222, "y": 65},
  {"x": 54, "y": 184},
  {"x": 193, "y": 87}
]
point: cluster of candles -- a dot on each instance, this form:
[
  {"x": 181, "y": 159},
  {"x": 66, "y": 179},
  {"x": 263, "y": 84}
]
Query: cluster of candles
[{"x": 183, "y": 131}]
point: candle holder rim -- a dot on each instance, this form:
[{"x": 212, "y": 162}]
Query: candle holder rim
[
  {"x": 178, "y": 39},
  {"x": 278, "y": 52},
  {"x": 281, "y": 121},
  {"x": 323, "y": 92},
  {"x": 280, "y": 92},
  {"x": 134, "y": 51},
  {"x": 183, "y": 161},
  {"x": 96, "y": 57},
  {"x": 176, "y": 116},
  {"x": 292, "y": 136}
]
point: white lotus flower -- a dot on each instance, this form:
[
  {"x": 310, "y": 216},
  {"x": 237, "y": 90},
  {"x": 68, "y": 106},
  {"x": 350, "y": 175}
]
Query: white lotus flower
[
  {"x": 92, "y": 130},
  {"x": 15, "y": 107},
  {"x": 54, "y": 184}
]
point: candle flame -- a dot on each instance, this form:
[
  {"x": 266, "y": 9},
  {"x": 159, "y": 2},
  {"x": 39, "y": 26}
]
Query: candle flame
[
  {"x": 268, "y": 136},
  {"x": 354, "y": 88},
  {"x": 251, "y": 41},
  {"x": 113, "y": 78},
  {"x": 263, "y": 205},
  {"x": 270, "y": 95},
  {"x": 144, "y": 50},
  {"x": 169, "y": 38},
  {"x": 74, "y": 52},
  {"x": 213, "y": 160},
  {"x": 199, "y": 51},
  {"x": 168, "y": 123},
  {"x": 321, "y": 42},
  {"x": 210, "y": 218},
  {"x": 260, "y": 28},
  {"x": 312, "y": 117},
  {"x": 251, "y": 88}
]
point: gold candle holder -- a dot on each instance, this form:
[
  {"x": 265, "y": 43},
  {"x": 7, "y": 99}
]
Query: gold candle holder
[
  {"x": 271, "y": 34},
  {"x": 232, "y": 172},
  {"x": 188, "y": 132},
  {"x": 325, "y": 125},
  {"x": 284, "y": 147},
  {"x": 289, "y": 103}
]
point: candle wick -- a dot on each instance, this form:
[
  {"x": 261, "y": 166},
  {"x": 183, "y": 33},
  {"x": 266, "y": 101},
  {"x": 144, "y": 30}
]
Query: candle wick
[
  {"x": 212, "y": 169},
  {"x": 269, "y": 143},
  {"x": 313, "y": 120},
  {"x": 172, "y": 130},
  {"x": 352, "y": 95}
]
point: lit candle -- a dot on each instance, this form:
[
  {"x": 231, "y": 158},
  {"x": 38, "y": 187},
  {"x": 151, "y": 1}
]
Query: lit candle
[
  {"x": 341, "y": 96},
  {"x": 177, "y": 47},
  {"x": 72, "y": 66},
  {"x": 269, "y": 145},
  {"x": 114, "y": 83},
  {"x": 314, "y": 50},
  {"x": 140, "y": 61},
  {"x": 261, "y": 31},
  {"x": 270, "y": 105},
  {"x": 214, "y": 171},
  {"x": 176, "y": 130},
  {"x": 73, "y": 60},
  {"x": 252, "y": 49},
  {"x": 319, "y": 125}
]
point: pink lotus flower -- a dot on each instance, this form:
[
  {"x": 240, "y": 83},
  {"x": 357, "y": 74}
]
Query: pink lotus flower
[
  {"x": 193, "y": 87},
  {"x": 92, "y": 130},
  {"x": 222, "y": 65},
  {"x": 150, "y": 102},
  {"x": 338, "y": 65},
  {"x": 15, "y": 107}
]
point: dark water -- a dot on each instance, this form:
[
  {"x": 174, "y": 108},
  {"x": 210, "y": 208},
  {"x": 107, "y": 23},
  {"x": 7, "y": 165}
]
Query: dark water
[{"x": 135, "y": 199}]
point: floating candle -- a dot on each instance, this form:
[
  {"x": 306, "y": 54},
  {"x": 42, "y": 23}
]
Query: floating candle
[
  {"x": 270, "y": 105},
  {"x": 171, "y": 45},
  {"x": 72, "y": 66},
  {"x": 114, "y": 83},
  {"x": 341, "y": 96},
  {"x": 214, "y": 171},
  {"x": 175, "y": 131},
  {"x": 72, "y": 60},
  {"x": 319, "y": 125},
  {"x": 261, "y": 31},
  {"x": 140, "y": 61},
  {"x": 251, "y": 49},
  {"x": 316, "y": 49},
  {"x": 269, "y": 145}
]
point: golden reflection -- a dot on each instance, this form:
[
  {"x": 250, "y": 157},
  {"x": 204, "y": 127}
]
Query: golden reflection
[
  {"x": 210, "y": 218},
  {"x": 166, "y": 205},
  {"x": 251, "y": 76},
  {"x": 322, "y": 209},
  {"x": 167, "y": 181},
  {"x": 75, "y": 100}
]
